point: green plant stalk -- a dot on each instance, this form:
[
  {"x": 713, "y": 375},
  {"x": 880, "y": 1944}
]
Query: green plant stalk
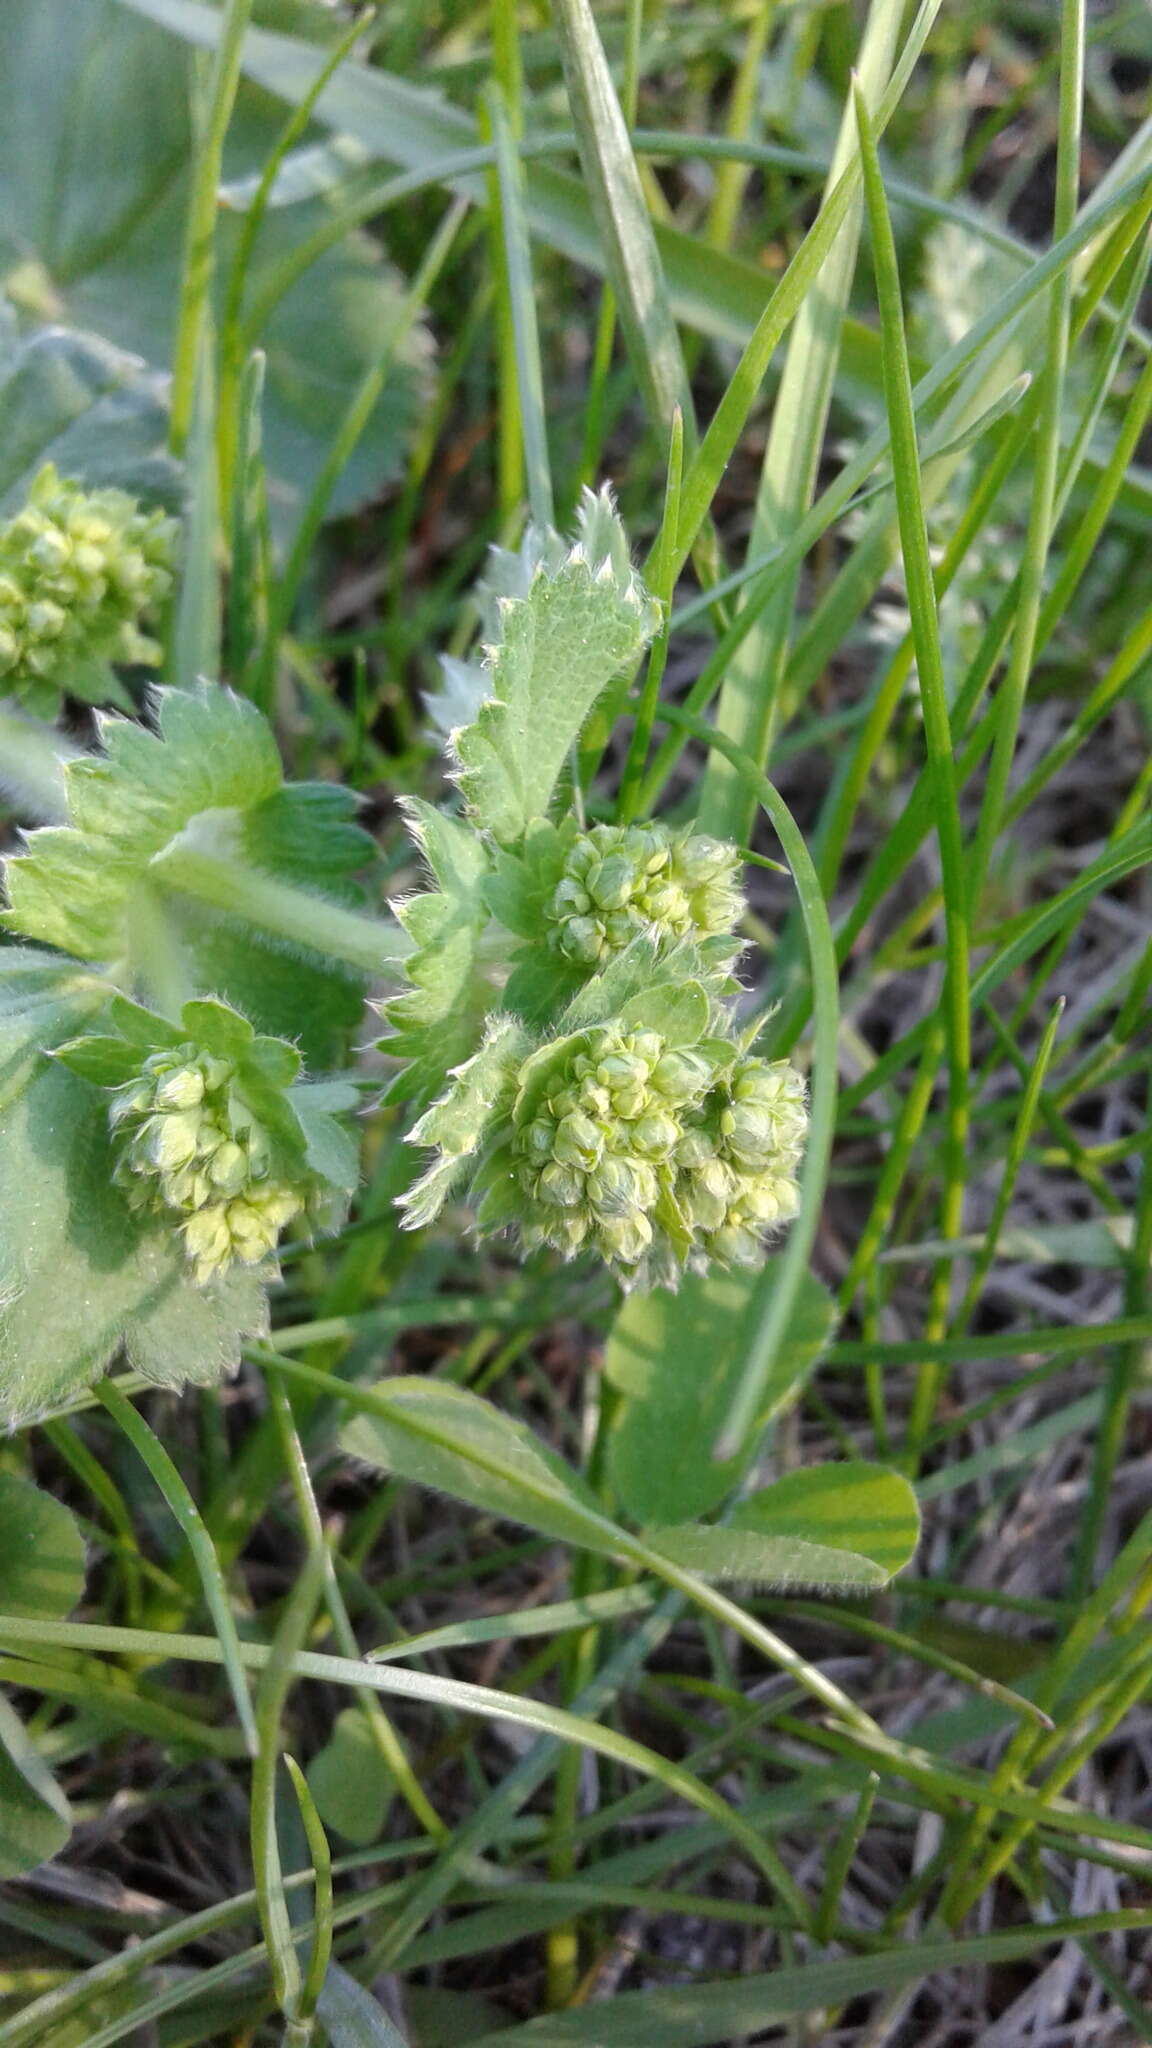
[
  {"x": 283, "y": 1663},
  {"x": 1130, "y": 1566},
  {"x": 233, "y": 348},
  {"x": 371, "y": 946},
  {"x": 732, "y": 176},
  {"x": 1120, "y": 1699},
  {"x": 1123, "y": 1380},
  {"x": 747, "y": 709},
  {"x": 842, "y": 1856},
  {"x": 836, "y": 500},
  {"x": 526, "y": 398},
  {"x": 1010, "y": 701},
  {"x": 1014, "y": 1159},
  {"x": 278, "y": 1670},
  {"x": 251, "y": 546},
  {"x": 187, "y": 1514},
  {"x": 194, "y": 643},
  {"x": 387, "y": 1741},
  {"x": 200, "y": 228},
  {"x": 908, "y": 1127},
  {"x": 622, "y": 218},
  {"x": 507, "y": 84},
  {"x": 596, "y": 398},
  {"x": 356, "y": 417},
  {"x": 661, "y": 585},
  {"x": 322, "y": 1898},
  {"x": 32, "y": 758},
  {"x": 938, "y": 739}
]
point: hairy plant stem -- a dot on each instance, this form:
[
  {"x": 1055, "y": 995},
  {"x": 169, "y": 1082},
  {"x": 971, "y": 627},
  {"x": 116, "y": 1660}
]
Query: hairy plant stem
[
  {"x": 371, "y": 946},
  {"x": 32, "y": 758}
]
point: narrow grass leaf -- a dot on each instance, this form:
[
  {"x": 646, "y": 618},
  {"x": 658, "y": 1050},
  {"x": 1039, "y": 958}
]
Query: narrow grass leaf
[
  {"x": 695, "y": 2016},
  {"x": 35, "y": 1817},
  {"x": 151, "y": 1451},
  {"x": 200, "y": 230},
  {"x": 748, "y": 702},
  {"x": 522, "y": 308},
  {"x": 621, "y": 214}
]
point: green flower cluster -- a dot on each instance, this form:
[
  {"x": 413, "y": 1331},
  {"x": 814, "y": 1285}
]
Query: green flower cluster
[
  {"x": 654, "y": 1156},
  {"x": 190, "y": 1143},
  {"x": 621, "y": 881},
  {"x": 78, "y": 571}
]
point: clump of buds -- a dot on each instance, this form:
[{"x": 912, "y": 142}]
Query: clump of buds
[
  {"x": 621, "y": 882},
  {"x": 79, "y": 570},
  {"x": 191, "y": 1143},
  {"x": 654, "y": 1156},
  {"x": 212, "y": 1128}
]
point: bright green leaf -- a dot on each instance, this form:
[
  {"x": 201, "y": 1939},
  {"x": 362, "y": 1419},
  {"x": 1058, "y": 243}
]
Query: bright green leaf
[
  {"x": 41, "y": 1552},
  {"x": 449, "y": 1439},
  {"x": 580, "y": 617},
  {"x": 676, "y": 1359},
  {"x": 350, "y": 1780},
  {"x": 852, "y": 1526}
]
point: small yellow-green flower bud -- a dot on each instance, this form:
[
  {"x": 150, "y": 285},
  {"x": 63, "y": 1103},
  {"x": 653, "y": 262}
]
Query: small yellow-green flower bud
[
  {"x": 620, "y": 882},
  {"x": 79, "y": 570}
]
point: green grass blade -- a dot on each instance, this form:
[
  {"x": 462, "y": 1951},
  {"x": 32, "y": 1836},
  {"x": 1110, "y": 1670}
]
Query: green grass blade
[
  {"x": 1010, "y": 699},
  {"x": 188, "y": 1516},
  {"x": 748, "y": 701},
  {"x": 200, "y": 230},
  {"x": 621, "y": 213},
  {"x": 938, "y": 739},
  {"x": 529, "y": 386}
]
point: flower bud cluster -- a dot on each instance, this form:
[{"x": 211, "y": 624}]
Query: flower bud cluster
[
  {"x": 621, "y": 881},
  {"x": 738, "y": 1160},
  {"x": 191, "y": 1144},
  {"x": 655, "y": 1156},
  {"x": 78, "y": 570}
]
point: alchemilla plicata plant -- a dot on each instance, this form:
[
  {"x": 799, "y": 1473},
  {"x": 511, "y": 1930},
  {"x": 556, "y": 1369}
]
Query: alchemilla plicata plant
[
  {"x": 568, "y": 1019},
  {"x": 498, "y": 991}
]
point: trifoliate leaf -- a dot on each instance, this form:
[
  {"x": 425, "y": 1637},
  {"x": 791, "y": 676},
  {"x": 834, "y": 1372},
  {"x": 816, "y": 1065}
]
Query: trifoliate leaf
[
  {"x": 851, "y": 1526},
  {"x": 437, "y": 1022},
  {"x": 447, "y": 1438},
  {"x": 584, "y": 618}
]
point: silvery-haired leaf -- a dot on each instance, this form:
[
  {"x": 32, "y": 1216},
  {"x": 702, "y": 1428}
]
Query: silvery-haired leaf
[
  {"x": 81, "y": 1273},
  {"x": 464, "y": 686},
  {"x": 459, "y": 1124},
  {"x": 584, "y": 619},
  {"x": 77, "y": 885},
  {"x": 627, "y": 973},
  {"x": 437, "y": 1021}
]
